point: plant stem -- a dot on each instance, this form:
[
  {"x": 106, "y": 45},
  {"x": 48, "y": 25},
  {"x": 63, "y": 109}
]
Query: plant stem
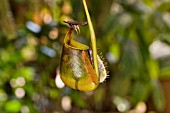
[{"x": 93, "y": 38}]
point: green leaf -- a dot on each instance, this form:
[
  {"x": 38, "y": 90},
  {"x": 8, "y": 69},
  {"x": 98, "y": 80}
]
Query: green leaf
[
  {"x": 153, "y": 68},
  {"x": 115, "y": 49},
  {"x": 78, "y": 100},
  {"x": 157, "y": 95},
  {"x": 149, "y": 2},
  {"x": 12, "y": 106},
  {"x": 26, "y": 72},
  {"x": 140, "y": 92},
  {"x": 164, "y": 7},
  {"x": 54, "y": 93},
  {"x": 165, "y": 72}
]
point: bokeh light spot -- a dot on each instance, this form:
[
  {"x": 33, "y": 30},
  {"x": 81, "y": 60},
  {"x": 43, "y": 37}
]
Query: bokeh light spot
[
  {"x": 141, "y": 107},
  {"x": 47, "y": 18},
  {"x": 121, "y": 107},
  {"x": 29, "y": 53},
  {"x": 121, "y": 103},
  {"x": 33, "y": 26},
  {"x": 3, "y": 95},
  {"x": 159, "y": 49},
  {"x": 53, "y": 34},
  {"x": 20, "y": 81},
  {"x": 25, "y": 109},
  {"x": 48, "y": 51},
  {"x": 20, "y": 92},
  {"x": 66, "y": 103},
  {"x": 13, "y": 83}
]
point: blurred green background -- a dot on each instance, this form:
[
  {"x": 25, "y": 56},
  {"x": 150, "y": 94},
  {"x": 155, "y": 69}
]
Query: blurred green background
[{"x": 133, "y": 35}]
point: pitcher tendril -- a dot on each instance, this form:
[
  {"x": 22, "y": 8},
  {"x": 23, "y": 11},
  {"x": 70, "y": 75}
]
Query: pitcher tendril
[{"x": 93, "y": 38}]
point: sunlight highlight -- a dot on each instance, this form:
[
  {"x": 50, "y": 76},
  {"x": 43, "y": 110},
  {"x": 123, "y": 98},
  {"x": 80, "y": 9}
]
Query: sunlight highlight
[
  {"x": 159, "y": 49},
  {"x": 59, "y": 83}
]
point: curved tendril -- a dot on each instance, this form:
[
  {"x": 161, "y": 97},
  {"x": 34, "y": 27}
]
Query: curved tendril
[{"x": 93, "y": 38}]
